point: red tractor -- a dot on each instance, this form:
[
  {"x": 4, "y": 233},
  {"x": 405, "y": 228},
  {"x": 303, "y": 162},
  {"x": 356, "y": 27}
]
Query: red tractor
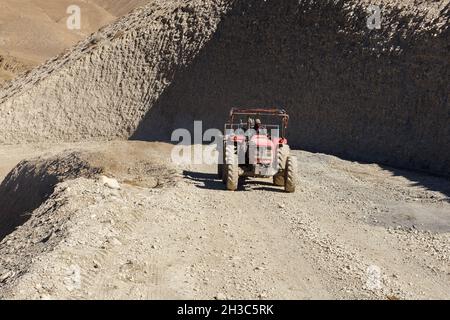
[{"x": 255, "y": 145}]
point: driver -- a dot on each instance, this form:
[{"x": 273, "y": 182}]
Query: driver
[
  {"x": 250, "y": 123},
  {"x": 249, "y": 132},
  {"x": 257, "y": 125}
]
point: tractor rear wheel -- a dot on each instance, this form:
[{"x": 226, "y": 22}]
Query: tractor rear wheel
[
  {"x": 282, "y": 154},
  {"x": 290, "y": 174},
  {"x": 231, "y": 169},
  {"x": 232, "y": 176}
]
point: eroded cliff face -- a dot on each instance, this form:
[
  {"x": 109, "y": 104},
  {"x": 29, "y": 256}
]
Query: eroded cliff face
[
  {"x": 373, "y": 95},
  {"x": 103, "y": 87}
]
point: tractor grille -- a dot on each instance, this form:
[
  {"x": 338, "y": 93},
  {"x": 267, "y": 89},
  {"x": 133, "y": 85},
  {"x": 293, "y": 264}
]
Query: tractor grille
[{"x": 264, "y": 154}]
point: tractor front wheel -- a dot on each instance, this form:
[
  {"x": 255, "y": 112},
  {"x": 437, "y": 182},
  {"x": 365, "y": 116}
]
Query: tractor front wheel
[
  {"x": 278, "y": 180},
  {"x": 290, "y": 174}
]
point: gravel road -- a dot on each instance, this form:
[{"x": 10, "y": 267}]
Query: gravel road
[{"x": 350, "y": 231}]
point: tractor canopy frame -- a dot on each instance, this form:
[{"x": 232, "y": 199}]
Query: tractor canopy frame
[{"x": 270, "y": 112}]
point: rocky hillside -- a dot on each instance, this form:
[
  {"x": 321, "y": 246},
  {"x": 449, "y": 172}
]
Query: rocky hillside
[
  {"x": 371, "y": 95},
  {"x": 103, "y": 87},
  {"x": 32, "y": 31}
]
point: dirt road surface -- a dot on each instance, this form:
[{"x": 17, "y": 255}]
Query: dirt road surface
[{"x": 350, "y": 231}]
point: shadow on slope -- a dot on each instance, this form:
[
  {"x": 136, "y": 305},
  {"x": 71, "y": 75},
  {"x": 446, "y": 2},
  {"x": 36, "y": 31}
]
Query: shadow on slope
[
  {"x": 32, "y": 182},
  {"x": 367, "y": 95}
]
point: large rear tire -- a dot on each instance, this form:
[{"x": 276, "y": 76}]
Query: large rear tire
[
  {"x": 290, "y": 174},
  {"x": 231, "y": 169},
  {"x": 232, "y": 177},
  {"x": 282, "y": 154}
]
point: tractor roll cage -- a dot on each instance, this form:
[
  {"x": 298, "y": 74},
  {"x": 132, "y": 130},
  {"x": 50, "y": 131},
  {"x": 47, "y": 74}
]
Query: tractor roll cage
[{"x": 275, "y": 112}]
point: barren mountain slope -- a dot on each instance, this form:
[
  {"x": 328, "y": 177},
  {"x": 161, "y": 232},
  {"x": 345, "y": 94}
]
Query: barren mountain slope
[
  {"x": 104, "y": 86},
  {"x": 32, "y": 31},
  {"x": 372, "y": 95}
]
